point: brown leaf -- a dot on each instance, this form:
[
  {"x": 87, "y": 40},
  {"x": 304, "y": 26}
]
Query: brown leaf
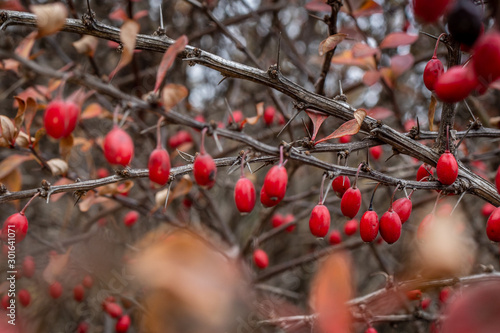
[
  {"x": 128, "y": 34},
  {"x": 432, "y": 111},
  {"x": 172, "y": 94},
  {"x": 396, "y": 39},
  {"x": 350, "y": 127},
  {"x": 57, "y": 166},
  {"x": 86, "y": 45},
  {"x": 317, "y": 119},
  {"x": 182, "y": 188},
  {"x": 7, "y": 131},
  {"x": 84, "y": 143},
  {"x": 65, "y": 146},
  {"x": 401, "y": 63},
  {"x": 23, "y": 140},
  {"x": 11, "y": 163},
  {"x": 13, "y": 180},
  {"x": 23, "y": 50},
  {"x": 331, "y": 289},
  {"x": 91, "y": 200},
  {"x": 330, "y": 43},
  {"x": 50, "y": 18},
  {"x": 388, "y": 76},
  {"x": 91, "y": 111},
  {"x": 56, "y": 265},
  {"x": 371, "y": 77},
  {"x": 39, "y": 135},
  {"x": 253, "y": 120},
  {"x": 362, "y": 50},
  {"x": 168, "y": 60}
]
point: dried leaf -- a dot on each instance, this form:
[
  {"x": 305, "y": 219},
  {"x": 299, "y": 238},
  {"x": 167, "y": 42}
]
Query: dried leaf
[
  {"x": 432, "y": 111},
  {"x": 182, "y": 188},
  {"x": 39, "y": 135},
  {"x": 371, "y": 77},
  {"x": 91, "y": 111},
  {"x": 84, "y": 143},
  {"x": 253, "y": 120},
  {"x": 65, "y": 145},
  {"x": 172, "y": 94},
  {"x": 56, "y": 265},
  {"x": 331, "y": 289},
  {"x": 91, "y": 200},
  {"x": 13, "y": 180},
  {"x": 317, "y": 119},
  {"x": 11, "y": 163},
  {"x": 86, "y": 45},
  {"x": 396, "y": 39},
  {"x": 168, "y": 60},
  {"x": 318, "y": 6},
  {"x": 50, "y": 18},
  {"x": 23, "y": 50},
  {"x": 362, "y": 50},
  {"x": 388, "y": 76},
  {"x": 29, "y": 114},
  {"x": 7, "y": 130},
  {"x": 350, "y": 127},
  {"x": 23, "y": 140},
  {"x": 401, "y": 63},
  {"x": 62, "y": 181},
  {"x": 57, "y": 166},
  {"x": 330, "y": 43},
  {"x": 38, "y": 94},
  {"x": 346, "y": 58},
  {"x": 128, "y": 34}
]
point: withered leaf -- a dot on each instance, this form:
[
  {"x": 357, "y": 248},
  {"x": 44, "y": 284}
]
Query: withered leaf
[
  {"x": 350, "y": 127},
  {"x": 330, "y": 43}
]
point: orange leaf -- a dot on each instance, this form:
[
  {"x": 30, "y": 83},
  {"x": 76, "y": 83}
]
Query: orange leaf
[
  {"x": 86, "y": 45},
  {"x": 253, "y": 120},
  {"x": 56, "y": 265},
  {"x": 317, "y": 119},
  {"x": 432, "y": 110},
  {"x": 330, "y": 43},
  {"x": 65, "y": 145},
  {"x": 128, "y": 34},
  {"x": 401, "y": 63},
  {"x": 331, "y": 289},
  {"x": 361, "y": 50},
  {"x": 180, "y": 189},
  {"x": 388, "y": 76},
  {"x": 172, "y": 94},
  {"x": 396, "y": 39},
  {"x": 350, "y": 127},
  {"x": 368, "y": 8},
  {"x": 91, "y": 111},
  {"x": 346, "y": 58},
  {"x": 168, "y": 60},
  {"x": 50, "y": 18},
  {"x": 371, "y": 77},
  {"x": 11, "y": 163},
  {"x": 13, "y": 181}
]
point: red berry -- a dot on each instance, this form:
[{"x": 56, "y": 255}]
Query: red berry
[
  {"x": 244, "y": 195},
  {"x": 447, "y": 168},
  {"x": 269, "y": 113},
  {"x": 200, "y": 118},
  {"x": 88, "y": 281},
  {"x": 444, "y": 294},
  {"x": 130, "y": 218},
  {"x": 289, "y": 218},
  {"x": 180, "y": 138},
  {"x": 424, "y": 226},
  {"x": 78, "y": 293},
  {"x": 487, "y": 209},
  {"x": 113, "y": 309},
  {"x": 237, "y": 115},
  {"x": 319, "y": 222},
  {"x": 433, "y": 70},
  {"x": 335, "y": 237},
  {"x": 28, "y": 266},
  {"x": 204, "y": 170},
  {"x": 430, "y": 10},
  {"x": 425, "y": 303},
  {"x": 340, "y": 184},
  {"x": 5, "y": 301},
  {"x": 493, "y": 226},
  {"x": 60, "y": 118},
  {"x": 118, "y": 147},
  {"x": 497, "y": 180},
  {"x": 260, "y": 258},
  {"x": 376, "y": 152},
  {"x": 368, "y": 226},
  {"x": 265, "y": 200},
  {"x": 390, "y": 226},
  {"x": 278, "y": 220},
  {"x": 487, "y": 57},
  {"x": 402, "y": 207},
  {"x": 123, "y": 324},
  {"x": 102, "y": 173},
  {"x": 17, "y": 224},
  {"x": 345, "y": 139},
  {"x": 55, "y": 290},
  {"x": 414, "y": 295},
  {"x": 275, "y": 183},
  {"x": 83, "y": 327},
  {"x": 456, "y": 84},
  {"x": 350, "y": 203},
  {"x": 424, "y": 170},
  {"x": 159, "y": 166},
  {"x": 350, "y": 227},
  {"x": 24, "y": 297},
  {"x": 370, "y": 330}
]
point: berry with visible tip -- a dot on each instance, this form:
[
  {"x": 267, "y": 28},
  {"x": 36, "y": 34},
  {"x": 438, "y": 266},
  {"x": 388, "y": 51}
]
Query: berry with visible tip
[
  {"x": 350, "y": 227},
  {"x": 444, "y": 294},
  {"x": 265, "y": 200},
  {"x": 204, "y": 170},
  {"x": 375, "y": 152},
  {"x": 464, "y": 22},
  {"x": 18, "y": 223},
  {"x": 78, "y": 293},
  {"x": 447, "y": 166},
  {"x": 55, "y": 290},
  {"x": 319, "y": 221},
  {"x": 179, "y": 138},
  {"x": 159, "y": 166},
  {"x": 260, "y": 258},
  {"x": 390, "y": 223},
  {"x": 368, "y": 226},
  {"x": 432, "y": 72},
  {"x": 275, "y": 183},
  {"x": 335, "y": 237},
  {"x": 113, "y": 309},
  {"x": 244, "y": 195},
  {"x": 351, "y": 202},
  {"x": 122, "y": 324},
  {"x": 340, "y": 184},
  {"x": 60, "y": 118},
  {"x": 130, "y": 218},
  {"x": 456, "y": 84},
  {"x": 118, "y": 147},
  {"x": 487, "y": 57},
  {"x": 28, "y": 266},
  {"x": 414, "y": 295},
  {"x": 487, "y": 209},
  {"x": 24, "y": 297},
  {"x": 269, "y": 114},
  {"x": 430, "y": 10},
  {"x": 403, "y": 207},
  {"x": 493, "y": 226}
]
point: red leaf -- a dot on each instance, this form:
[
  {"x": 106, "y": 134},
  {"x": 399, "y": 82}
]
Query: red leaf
[
  {"x": 361, "y": 50},
  {"x": 371, "y": 77},
  {"x": 128, "y": 34},
  {"x": 317, "y": 119},
  {"x": 168, "y": 59},
  {"x": 380, "y": 113},
  {"x": 118, "y": 15},
  {"x": 401, "y": 63},
  {"x": 317, "y": 6},
  {"x": 141, "y": 14},
  {"x": 396, "y": 39},
  {"x": 350, "y": 127}
]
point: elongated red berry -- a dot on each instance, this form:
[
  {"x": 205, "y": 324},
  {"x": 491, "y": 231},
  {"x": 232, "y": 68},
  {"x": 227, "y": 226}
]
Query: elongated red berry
[
  {"x": 55, "y": 290},
  {"x": 159, "y": 166},
  {"x": 493, "y": 226},
  {"x": 414, "y": 295},
  {"x": 265, "y": 200},
  {"x": 340, "y": 184},
  {"x": 260, "y": 258},
  {"x": 424, "y": 226},
  {"x": 375, "y": 152},
  {"x": 275, "y": 183},
  {"x": 487, "y": 57},
  {"x": 368, "y": 226},
  {"x": 204, "y": 170},
  {"x": 28, "y": 266},
  {"x": 17, "y": 226},
  {"x": 123, "y": 324},
  {"x": 269, "y": 113},
  {"x": 447, "y": 168},
  {"x": 130, "y": 218},
  {"x": 433, "y": 70},
  {"x": 335, "y": 237},
  {"x": 88, "y": 281},
  {"x": 78, "y": 293},
  {"x": 113, "y": 309},
  {"x": 60, "y": 118},
  {"x": 180, "y": 138},
  {"x": 350, "y": 203},
  {"x": 319, "y": 221},
  {"x": 425, "y": 302},
  {"x": 350, "y": 227},
  {"x": 423, "y": 171},
  {"x": 278, "y": 220},
  {"x": 118, "y": 147},
  {"x": 24, "y": 297},
  {"x": 430, "y": 10},
  {"x": 390, "y": 226},
  {"x": 244, "y": 195},
  {"x": 497, "y": 180},
  {"x": 456, "y": 84},
  {"x": 402, "y": 207}
]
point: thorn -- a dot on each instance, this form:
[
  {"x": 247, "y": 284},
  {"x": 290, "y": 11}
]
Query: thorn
[
  {"x": 456, "y": 205},
  {"x": 288, "y": 123},
  {"x": 470, "y": 111},
  {"x": 217, "y": 142},
  {"x": 230, "y": 111},
  {"x": 307, "y": 129},
  {"x": 124, "y": 118},
  {"x": 168, "y": 194},
  {"x": 161, "y": 19},
  {"x": 223, "y": 79},
  {"x": 340, "y": 87},
  {"x": 279, "y": 51},
  {"x": 185, "y": 156}
]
